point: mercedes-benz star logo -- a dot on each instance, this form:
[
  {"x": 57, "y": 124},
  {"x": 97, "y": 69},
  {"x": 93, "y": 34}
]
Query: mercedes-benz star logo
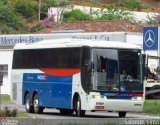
[{"x": 149, "y": 38}]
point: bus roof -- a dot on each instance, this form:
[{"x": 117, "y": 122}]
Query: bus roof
[{"x": 65, "y": 43}]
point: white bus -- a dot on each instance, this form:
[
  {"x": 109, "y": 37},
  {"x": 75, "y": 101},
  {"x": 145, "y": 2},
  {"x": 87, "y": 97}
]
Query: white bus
[{"x": 78, "y": 76}]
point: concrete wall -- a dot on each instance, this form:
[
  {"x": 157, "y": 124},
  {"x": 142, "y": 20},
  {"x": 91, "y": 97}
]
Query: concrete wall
[{"x": 6, "y": 59}]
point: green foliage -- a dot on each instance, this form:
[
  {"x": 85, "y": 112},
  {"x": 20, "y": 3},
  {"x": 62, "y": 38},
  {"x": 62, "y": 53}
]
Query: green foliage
[
  {"x": 117, "y": 10},
  {"x": 129, "y": 4},
  {"x": 157, "y": 0},
  {"x": 2, "y": 114},
  {"x": 50, "y": 3},
  {"x": 4, "y": 2},
  {"x": 23, "y": 115},
  {"x": 110, "y": 14},
  {"x": 8, "y": 113},
  {"x": 114, "y": 14},
  {"x": 27, "y": 9},
  {"x": 76, "y": 15},
  {"x": 8, "y": 17},
  {"x": 152, "y": 106},
  {"x": 44, "y": 9},
  {"x": 153, "y": 20},
  {"x": 15, "y": 15},
  {"x": 37, "y": 27},
  {"x": 62, "y": 2}
]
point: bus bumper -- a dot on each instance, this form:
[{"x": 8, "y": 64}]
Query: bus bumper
[{"x": 117, "y": 105}]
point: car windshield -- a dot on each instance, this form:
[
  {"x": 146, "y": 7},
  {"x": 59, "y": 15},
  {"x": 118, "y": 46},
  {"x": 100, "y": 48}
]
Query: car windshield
[{"x": 110, "y": 65}]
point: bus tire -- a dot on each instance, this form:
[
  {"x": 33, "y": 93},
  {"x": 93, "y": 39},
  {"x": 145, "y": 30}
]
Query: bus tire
[
  {"x": 79, "y": 112},
  {"x": 36, "y": 107},
  {"x": 28, "y": 106},
  {"x": 122, "y": 114}
]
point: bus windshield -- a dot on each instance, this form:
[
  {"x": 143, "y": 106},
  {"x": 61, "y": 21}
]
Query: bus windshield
[{"x": 117, "y": 70}]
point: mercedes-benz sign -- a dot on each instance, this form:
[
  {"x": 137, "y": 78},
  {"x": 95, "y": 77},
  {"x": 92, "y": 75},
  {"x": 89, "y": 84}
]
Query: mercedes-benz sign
[{"x": 149, "y": 38}]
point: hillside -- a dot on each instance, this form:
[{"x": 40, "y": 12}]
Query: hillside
[
  {"x": 136, "y": 5},
  {"x": 155, "y": 4},
  {"x": 107, "y": 26},
  {"x": 21, "y": 16}
]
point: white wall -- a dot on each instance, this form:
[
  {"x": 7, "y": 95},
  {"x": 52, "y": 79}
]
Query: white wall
[
  {"x": 6, "y": 59},
  {"x": 135, "y": 39}
]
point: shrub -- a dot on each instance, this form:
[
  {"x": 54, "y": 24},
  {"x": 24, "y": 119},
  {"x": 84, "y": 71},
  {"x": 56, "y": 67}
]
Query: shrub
[
  {"x": 44, "y": 10},
  {"x": 37, "y": 27},
  {"x": 9, "y": 17},
  {"x": 14, "y": 113},
  {"x": 129, "y": 4},
  {"x": 10, "y": 113},
  {"x": 27, "y": 8},
  {"x": 2, "y": 114},
  {"x": 153, "y": 20},
  {"x": 114, "y": 14},
  {"x": 132, "y": 4},
  {"x": 76, "y": 15}
]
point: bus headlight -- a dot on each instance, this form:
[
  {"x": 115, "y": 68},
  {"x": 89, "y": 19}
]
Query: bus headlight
[{"x": 97, "y": 96}]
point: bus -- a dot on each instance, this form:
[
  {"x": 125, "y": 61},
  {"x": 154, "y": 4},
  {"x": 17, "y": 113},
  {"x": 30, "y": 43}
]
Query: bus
[{"x": 75, "y": 76}]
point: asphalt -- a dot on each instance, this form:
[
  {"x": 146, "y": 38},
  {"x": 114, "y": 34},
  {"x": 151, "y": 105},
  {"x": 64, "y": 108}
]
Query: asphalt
[{"x": 53, "y": 117}]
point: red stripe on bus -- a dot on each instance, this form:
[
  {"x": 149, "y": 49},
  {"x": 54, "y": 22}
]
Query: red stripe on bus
[
  {"x": 61, "y": 72},
  {"x": 137, "y": 94}
]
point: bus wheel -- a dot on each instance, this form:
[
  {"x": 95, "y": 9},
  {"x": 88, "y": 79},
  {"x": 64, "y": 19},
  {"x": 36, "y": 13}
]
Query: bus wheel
[
  {"x": 79, "y": 112},
  {"x": 28, "y": 106},
  {"x": 122, "y": 114},
  {"x": 36, "y": 107}
]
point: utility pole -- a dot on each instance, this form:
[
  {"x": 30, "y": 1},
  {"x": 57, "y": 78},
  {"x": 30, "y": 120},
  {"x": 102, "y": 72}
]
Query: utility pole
[{"x": 39, "y": 11}]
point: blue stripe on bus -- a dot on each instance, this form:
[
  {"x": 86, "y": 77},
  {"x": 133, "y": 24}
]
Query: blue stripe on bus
[
  {"x": 120, "y": 95},
  {"x": 53, "y": 91}
]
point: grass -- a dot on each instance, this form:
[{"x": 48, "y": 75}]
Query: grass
[
  {"x": 18, "y": 114},
  {"x": 152, "y": 107},
  {"x": 5, "y": 98},
  {"x": 22, "y": 115}
]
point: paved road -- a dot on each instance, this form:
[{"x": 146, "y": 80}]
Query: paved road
[
  {"x": 54, "y": 114},
  {"x": 95, "y": 118}
]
